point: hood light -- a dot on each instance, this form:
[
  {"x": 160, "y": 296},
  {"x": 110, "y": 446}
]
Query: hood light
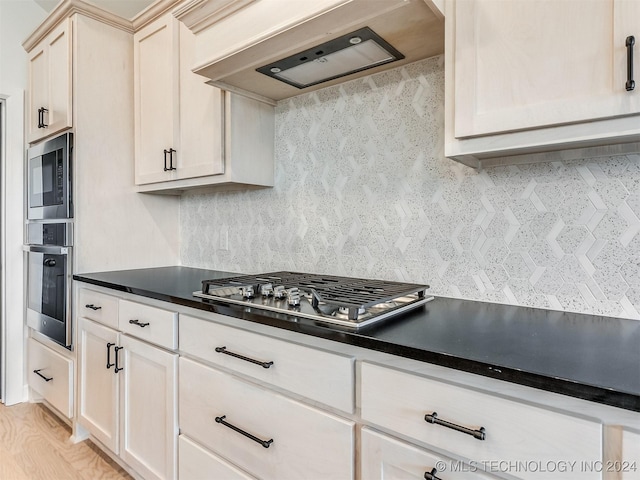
[{"x": 354, "y": 52}]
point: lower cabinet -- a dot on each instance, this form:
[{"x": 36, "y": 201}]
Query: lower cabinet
[
  {"x": 386, "y": 458},
  {"x": 127, "y": 398},
  {"x": 497, "y": 434},
  {"x": 197, "y": 463},
  {"x": 263, "y": 433},
  {"x": 50, "y": 375}
]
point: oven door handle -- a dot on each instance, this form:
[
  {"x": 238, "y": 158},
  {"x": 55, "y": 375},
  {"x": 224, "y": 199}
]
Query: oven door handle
[{"x": 51, "y": 249}]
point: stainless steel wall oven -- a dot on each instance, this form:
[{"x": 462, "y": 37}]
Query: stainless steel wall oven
[{"x": 49, "y": 257}]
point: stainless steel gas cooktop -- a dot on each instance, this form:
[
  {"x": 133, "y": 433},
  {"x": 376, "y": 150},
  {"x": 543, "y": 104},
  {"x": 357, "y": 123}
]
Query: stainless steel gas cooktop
[{"x": 349, "y": 302}]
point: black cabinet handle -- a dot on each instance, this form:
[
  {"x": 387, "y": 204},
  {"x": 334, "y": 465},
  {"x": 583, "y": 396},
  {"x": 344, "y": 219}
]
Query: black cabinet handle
[
  {"x": 433, "y": 418},
  {"x": 242, "y": 357},
  {"x": 264, "y": 443},
  {"x": 46, "y": 379},
  {"x": 109, "y": 364},
  {"x": 630, "y": 42},
  {"x": 41, "y": 112},
  {"x": 170, "y": 153},
  {"x": 431, "y": 475},
  {"x": 118, "y": 369},
  {"x": 138, "y": 323},
  {"x": 92, "y": 307}
]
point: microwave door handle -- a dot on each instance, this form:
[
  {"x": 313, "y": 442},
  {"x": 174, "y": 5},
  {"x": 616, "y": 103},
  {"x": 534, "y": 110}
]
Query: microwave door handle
[{"x": 47, "y": 249}]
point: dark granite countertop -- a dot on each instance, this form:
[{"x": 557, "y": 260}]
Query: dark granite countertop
[{"x": 585, "y": 356}]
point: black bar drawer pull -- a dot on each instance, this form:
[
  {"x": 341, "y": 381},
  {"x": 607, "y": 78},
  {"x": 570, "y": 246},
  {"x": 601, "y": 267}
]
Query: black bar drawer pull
[
  {"x": 431, "y": 475},
  {"x": 242, "y": 357},
  {"x": 92, "y": 307},
  {"x": 109, "y": 364},
  {"x": 629, "y": 43},
  {"x": 139, "y": 323},
  {"x": 118, "y": 369},
  {"x": 433, "y": 418},
  {"x": 46, "y": 379},
  {"x": 264, "y": 443}
]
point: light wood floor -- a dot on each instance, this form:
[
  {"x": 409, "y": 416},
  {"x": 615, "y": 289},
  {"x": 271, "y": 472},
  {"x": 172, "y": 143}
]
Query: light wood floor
[{"x": 34, "y": 445}]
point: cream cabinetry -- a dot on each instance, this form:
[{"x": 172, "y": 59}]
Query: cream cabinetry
[
  {"x": 50, "y": 374},
  {"x": 127, "y": 394},
  {"x": 319, "y": 375},
  {"x": 260, "y": 402},
  {"x": 387, "y": 458},
  {"x": 536, "y": 76},
  {"x": 265, "y": 434},
  {"x": 477, "y": 426},
  {"x": 49, "y": 108},
  {"x": 627, "y": 466},
  {"x": 197, "y": 463},
  {"x": 178, "y": 117},
  {"x": 234, "y": 37},
  {"x": 185, "y": 130}
]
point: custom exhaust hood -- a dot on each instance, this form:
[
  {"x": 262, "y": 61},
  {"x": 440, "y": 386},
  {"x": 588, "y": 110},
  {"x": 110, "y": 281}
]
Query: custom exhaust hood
[{"x": 275, "y": 49}]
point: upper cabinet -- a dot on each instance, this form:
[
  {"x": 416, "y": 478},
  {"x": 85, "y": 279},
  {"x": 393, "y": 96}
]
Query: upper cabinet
[
  {"x": 49, "y": 97},
  {"x": 533, "y": 75},
  {"x": 178, "y": 118},
  {"x": 184, "y": 130},
  {"x": 235, "y": 37}
]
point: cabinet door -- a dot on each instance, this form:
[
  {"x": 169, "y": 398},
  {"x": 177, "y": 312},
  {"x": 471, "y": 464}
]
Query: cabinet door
[
  {"x": 37, "y": 96},
  {"x": 148, "y": 424},
  {"x": 629, "y": 466},
  {"x": 201, "y": 118},
  {"x": 50, "y": 67},
  {"x": 98, "y": 382},
  {"x": 532, "y": 63},
  {"x": 156, "y": 90}
]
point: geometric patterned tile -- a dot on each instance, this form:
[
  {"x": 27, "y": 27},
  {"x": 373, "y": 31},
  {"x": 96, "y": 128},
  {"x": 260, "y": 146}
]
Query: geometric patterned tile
[{"x": 362, "y": 189}]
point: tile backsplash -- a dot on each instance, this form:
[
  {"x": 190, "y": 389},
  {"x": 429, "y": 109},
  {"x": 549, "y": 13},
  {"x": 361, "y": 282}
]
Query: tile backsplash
[{"x": 363, "y": 189}]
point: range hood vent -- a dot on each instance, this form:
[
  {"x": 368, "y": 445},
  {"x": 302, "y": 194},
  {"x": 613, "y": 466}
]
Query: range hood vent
[{"x": 350, "y": 53}]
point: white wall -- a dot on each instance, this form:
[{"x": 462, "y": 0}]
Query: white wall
[{"x": 17, "y": 19}]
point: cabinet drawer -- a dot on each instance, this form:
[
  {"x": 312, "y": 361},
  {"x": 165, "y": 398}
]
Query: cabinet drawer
[
  {"x": 320, "y": 375},
  {"x": 50, "y": 375},
  {"x": 197, "y": 463},
  {"x": 152, "y": 324},
  {"x": 385, "y": 458},
  {"x": 514, "y": 432},
  {"x": 99, "y": 307},
  {"x": 306, "y": 442}
]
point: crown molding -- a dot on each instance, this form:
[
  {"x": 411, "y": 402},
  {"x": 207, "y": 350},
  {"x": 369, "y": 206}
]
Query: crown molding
[{"x": 67, "y": 8}]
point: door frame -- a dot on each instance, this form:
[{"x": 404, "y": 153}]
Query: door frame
[{"x": 13, "y": 387}]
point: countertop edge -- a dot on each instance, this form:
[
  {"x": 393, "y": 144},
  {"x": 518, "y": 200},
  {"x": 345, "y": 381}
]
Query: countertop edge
[{"x": 605, "y": 396}]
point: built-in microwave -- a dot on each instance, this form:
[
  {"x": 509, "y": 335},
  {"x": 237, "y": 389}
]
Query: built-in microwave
[{"x": 49, "y": 192}]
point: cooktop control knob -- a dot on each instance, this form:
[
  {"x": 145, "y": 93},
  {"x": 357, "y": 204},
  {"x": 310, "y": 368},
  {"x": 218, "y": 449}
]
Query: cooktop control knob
[
  {"x": 279, "y": 292},
  {"x": 266, "y": 290},
  {"x": 247, "y": 291},
  {"x": 293, "y": 297}
]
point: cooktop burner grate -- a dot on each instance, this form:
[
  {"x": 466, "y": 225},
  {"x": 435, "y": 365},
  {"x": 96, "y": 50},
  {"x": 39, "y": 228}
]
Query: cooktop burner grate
[
  {"x": 332, "y": 290},
  {"x": 347, "y": 302}
]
